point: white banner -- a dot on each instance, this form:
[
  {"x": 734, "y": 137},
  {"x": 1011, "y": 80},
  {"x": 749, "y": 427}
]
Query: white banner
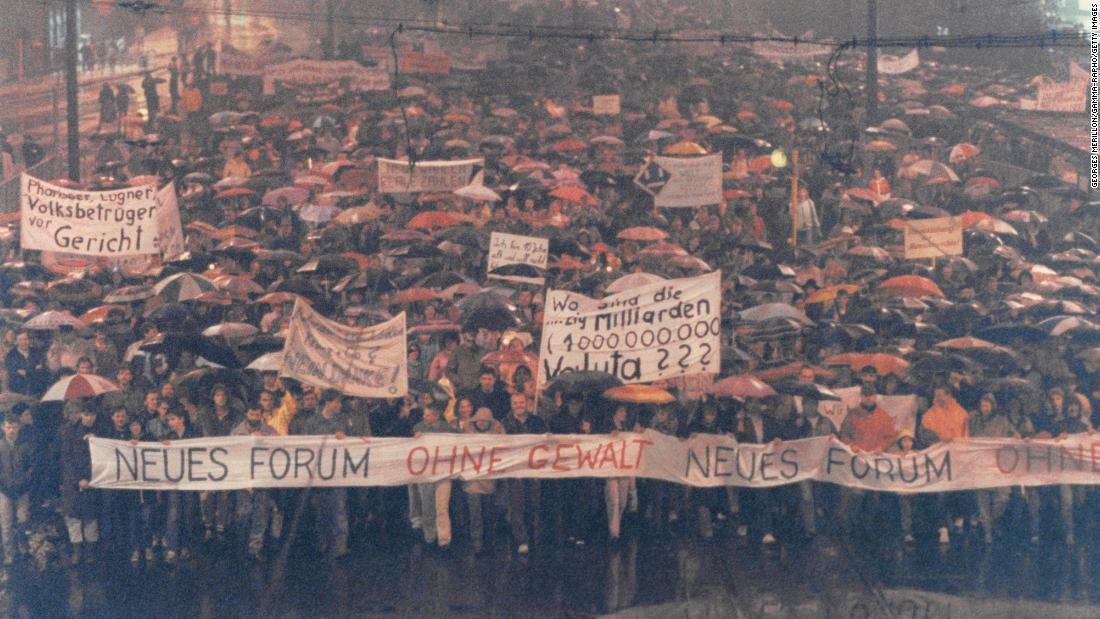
[
  {"x": 933, "y": 238},
  {"x": 394, "y": 175},
  {"x": 670, "y": 328},
  {"x": 780, "y": 51},
  {"x": 367, "y": 362},
  {"x": 606, "y": 105},
  {"x": 318, "y": 72},
  {"x": 169, "y": 229},
  {"x": 896, "y": 65},
  {"x": 120, "y": 222},
  {"x": 681, "y": 181},
  {"x": 505, "y": 249},
  {"x": 704, "y": 460}
]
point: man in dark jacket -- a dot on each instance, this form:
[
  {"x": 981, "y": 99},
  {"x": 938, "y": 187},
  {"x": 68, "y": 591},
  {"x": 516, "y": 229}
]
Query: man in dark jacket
[
  {"x": 15, "y": 475},
  {"x": 524, "y": 495},
  {"x": 491, "y": 394},
  {"x": 218, "y": 419},
  {"x": 571, "y": 498},
  {"x": 27, "y": 370},
  {"x": 759, "y": 504},
  {"x": 331, "y": 504},
  {"x": 79, "y": 501}
]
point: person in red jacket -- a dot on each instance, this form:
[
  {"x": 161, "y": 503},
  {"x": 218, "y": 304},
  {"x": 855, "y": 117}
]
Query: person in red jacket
[{"x": 866, "y": 428}]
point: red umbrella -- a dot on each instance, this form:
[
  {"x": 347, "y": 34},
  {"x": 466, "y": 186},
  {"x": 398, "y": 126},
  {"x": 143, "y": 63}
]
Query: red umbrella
[
  {"x": 574, "y": 194},
  {"x": 434, "y": 219},
  {"x": 911, "y": 286},
  {"x": 642, "y": 233},
  {"x": 962, "y": 152},
  {"x": 883, "y": 363},
  {"x": 99, "y": 314},
  {"x": 663, "y": 249},
  {"x": 235, "y": 192},
  {"x": 414, "y": 295},
  {"x": 78, "y": 386},
  {"x": 742, "y": 386},
  {"x": 571, "y": 144}
]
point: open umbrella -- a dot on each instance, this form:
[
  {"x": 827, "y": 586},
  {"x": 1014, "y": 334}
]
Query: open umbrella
[
  {"x": 231, "y": 330},
  {"x": 882, "y": 363},
  {"x": 78, "y": 386},
  {"x": 434, "y": 219},
  {"x": 183, "y": 287},
  {"x": 318, "y": 213},
  {"x": 583, "y": 382},
  {"x": 642, "y": 233},
  {"x": 414, "y": 295},
  {"x": 574, "y": 195},
  {"x": 639, "y": 394},
  {"x": 807, "y": 390},
  {"x": 742, "y": 386},
  {"x": 53, "y": 320},
  {"x": 293, "y": 196},
  {"x": 769, "y": 311},
  {"x": 633, "y": 280},
  {"x": 911, "y": 286},
  {"x": 962, "y": 152}
]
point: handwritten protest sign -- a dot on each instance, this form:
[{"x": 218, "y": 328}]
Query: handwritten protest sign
[
  {"x": 670, "y": 328},
  {"x": 119, "y": 222},
  {"x": 367, "y": 362},
  {"x": 1062, "y": 96},
  {"x": 505, "y": 249},
  {"x": 606, "y": 105},
  {"x": 682, "y": 181},
  {"x": 169, "y": 230},
  {"x": 394, "y": 176},
  {"x": 704, "y": 460},
  {"x": 933, "y": 238}
]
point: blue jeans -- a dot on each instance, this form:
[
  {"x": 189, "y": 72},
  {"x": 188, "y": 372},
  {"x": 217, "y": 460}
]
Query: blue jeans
[
  {"x": 179, "y": 521},
  {"x": 331, "y": 506},
  {"x": 254, "y": 510}
]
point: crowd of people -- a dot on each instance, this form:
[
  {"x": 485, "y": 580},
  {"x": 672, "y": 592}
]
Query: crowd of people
[{"x": 280, "y": 203}]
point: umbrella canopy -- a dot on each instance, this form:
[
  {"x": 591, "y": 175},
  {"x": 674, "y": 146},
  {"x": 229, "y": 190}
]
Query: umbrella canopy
[
  {"x": 78, "y": 386},
  {"x": 293, "y": 196},
  {"x": 53, "y": 320},
  {"x": 964, "y": 343},
  {"x": 962, "y": 152},
  {"x": 102, "y": 313},
  {"x": 929, "y": 168},
  {"x": 639, "y": 394},
  {"x": 318, "y": 213},
  {"x": 642, "y": 233},
  {"x": 742, "y": 386},
  {"x": 183, "y": 287},
  {"x": 769, "y": 311},
  {"x": 633, "y": 280},
  {"x": 414, "y": 295},
  {"x": 231, "y": 330},
  {"x": 807, "y": 390},
  {"x": 582, "y": 383},
  {"x": 434, "y": 219},
  {"x": 574, "y": 195},
  {"x": 882, "y": 363},
  {"x": 911, "y": 286},
  {"x": 828, "y": 294},
  {"x": 477, "y": 193}
]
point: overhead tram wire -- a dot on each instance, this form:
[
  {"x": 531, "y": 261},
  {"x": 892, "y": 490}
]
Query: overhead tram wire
[{"x": 1050, "y": 38}]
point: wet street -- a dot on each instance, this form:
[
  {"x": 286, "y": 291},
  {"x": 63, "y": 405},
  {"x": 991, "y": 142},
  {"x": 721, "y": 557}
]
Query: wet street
[{"x": 642, "y": 576}]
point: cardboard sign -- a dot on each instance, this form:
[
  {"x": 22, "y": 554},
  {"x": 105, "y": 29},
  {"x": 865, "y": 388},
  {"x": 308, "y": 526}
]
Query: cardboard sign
[
  {"x": 670, "y": 328},
  {"x": 682, "y": 181},
  {"x": 505, "y": 249},
  {"x": 933, "y": 238},
  {"x": 394, "y": 176},
  {"x": 120, "y": 222},
  {"x": 368, "y": 362},
  {"x": 606, "y": 105}
]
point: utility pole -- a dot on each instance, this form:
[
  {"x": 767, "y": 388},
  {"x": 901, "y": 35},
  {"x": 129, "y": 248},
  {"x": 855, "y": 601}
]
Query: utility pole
[
  {"x": 327, "y": 50},
  {"x": 71, "y": 95},
  {"x": 872, "y": 62}
]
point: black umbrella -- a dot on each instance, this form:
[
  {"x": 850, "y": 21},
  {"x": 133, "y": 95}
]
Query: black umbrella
[
  {"x": 807, "y": 390},
  {"x": 199, "y": 178},
  {"x": 518, "y": 270},
  {"x": 582, "y": 383},
  {"x": 498, "y": 318},
  {"x": 173, "y": 344},
  {"x": 1010, "y": 334},
  {"x": 257, "y": 216},
  {"x": 172, "y": 317},
  {"x": 375, "y": 280},
  {"x": 442, "y": 279}
]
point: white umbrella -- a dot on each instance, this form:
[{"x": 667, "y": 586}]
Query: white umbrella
[
  {"x": 231, "y": 330},
  {"x": 317, "y": 213},
  {"x": 271, "y": 362},
  {"x": 183, "y": 287},
  {"x": 53, "y": 320},
  {"x": 477, "y": 193},
  {"x": 633, "y": 280},
  {"x": 78, "y": 386}
]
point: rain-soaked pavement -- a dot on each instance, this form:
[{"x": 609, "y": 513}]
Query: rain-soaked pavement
[{"x": 644, "y": 575}]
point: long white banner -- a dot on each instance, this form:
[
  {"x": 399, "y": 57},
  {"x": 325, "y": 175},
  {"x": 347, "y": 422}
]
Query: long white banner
[
  {"x": 395, "y": 176},
  {"x": 303, "y": 72},
  {"x": 120, "y": 222},
  {"x": 705, "y": 460},
  {"x": 670, "y": 328},
  {"x": 368, "y": 362}
]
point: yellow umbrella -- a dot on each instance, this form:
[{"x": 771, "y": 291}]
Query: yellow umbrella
[
  {"x": 685, "y": 148},
  {"x": 639, "y": 394},
  {"x": 828, "y": 294}
]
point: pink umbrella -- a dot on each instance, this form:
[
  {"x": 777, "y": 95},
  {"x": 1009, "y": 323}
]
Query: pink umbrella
[
  {"x": 293, "y": 196},
  {"x": 78, "y": 386},
  {"x": 53, "y": 320},
  {"x": 742, "y": 386}
]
